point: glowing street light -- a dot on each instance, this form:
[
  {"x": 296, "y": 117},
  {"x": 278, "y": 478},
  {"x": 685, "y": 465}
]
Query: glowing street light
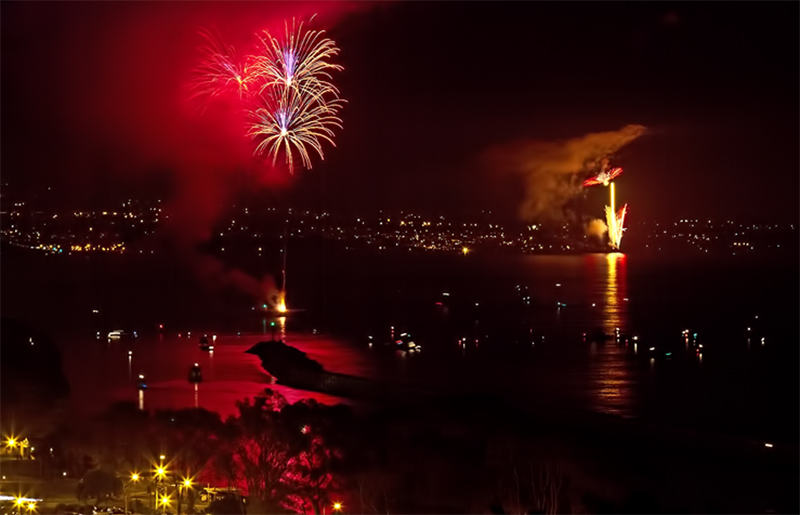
[
  {"x": 337, "y": 506},
  {"x": 134, "y": 479},
  {"x": 164, "y": 502},
  {"x": 12, "y": 442},
  {"x": 185, "y": 485},
  {"x": 465, "y": 250}
]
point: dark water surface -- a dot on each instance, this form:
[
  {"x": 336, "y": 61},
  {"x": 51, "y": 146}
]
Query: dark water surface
[{"x": 500, "y": 329}]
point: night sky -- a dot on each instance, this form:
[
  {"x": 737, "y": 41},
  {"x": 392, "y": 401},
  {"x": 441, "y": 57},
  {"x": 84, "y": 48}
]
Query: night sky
[{"x": 93, "y": 103}]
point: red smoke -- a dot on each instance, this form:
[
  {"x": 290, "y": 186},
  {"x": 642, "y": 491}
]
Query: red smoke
[{"x": 120, "y": 72}]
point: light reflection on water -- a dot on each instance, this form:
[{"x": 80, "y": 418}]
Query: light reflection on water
[
  {"x": 607, "y": 377},
  {"x": 616, "y": 312},
  {"x": 229, "y": 373},
  {"x": 610, "y": 373}
]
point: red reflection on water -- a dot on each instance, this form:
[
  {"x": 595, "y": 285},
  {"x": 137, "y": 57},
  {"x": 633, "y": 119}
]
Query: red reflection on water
[{"x": 99, "y": 373}]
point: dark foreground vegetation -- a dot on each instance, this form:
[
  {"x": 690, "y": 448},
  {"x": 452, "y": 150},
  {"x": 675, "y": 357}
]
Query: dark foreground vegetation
[{"x": 459, "y": 456}]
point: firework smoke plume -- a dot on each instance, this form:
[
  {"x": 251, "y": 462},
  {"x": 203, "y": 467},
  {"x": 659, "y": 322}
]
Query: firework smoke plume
[
  {"x": 596, "y": 228},
  {"x": 554, "y": 171}
]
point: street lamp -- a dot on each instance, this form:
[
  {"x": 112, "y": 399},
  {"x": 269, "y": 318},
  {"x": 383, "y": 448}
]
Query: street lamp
[
  {"x": 337, "y": 506},
  {"x": 134, "y": 479},
  {"x": 164, "y": 503},
  {"x": 186, "y": 484},
  {"x": 12, "y": 442},
  {"x": 160, "y": 475}
]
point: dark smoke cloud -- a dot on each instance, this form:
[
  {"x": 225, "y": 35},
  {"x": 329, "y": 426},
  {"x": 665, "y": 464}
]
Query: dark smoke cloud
[{"x": 553, "y": 171}]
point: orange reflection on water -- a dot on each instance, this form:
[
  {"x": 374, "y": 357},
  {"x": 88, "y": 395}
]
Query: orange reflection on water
[
  {"x": 282, "y": 323},
  {"x": 611, "y": 384},
  {"x": 616, "y": 309}
]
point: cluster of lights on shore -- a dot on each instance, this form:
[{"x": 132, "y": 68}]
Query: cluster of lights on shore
[{"x": 160, "y": 474}]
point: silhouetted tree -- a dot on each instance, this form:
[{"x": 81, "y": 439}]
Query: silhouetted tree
[
  {"x": 286, "y": 456},
  {"x": 262, "y": 447},
  {"x": 98, "y": 484},
  {"x": 191, "y": 437}
]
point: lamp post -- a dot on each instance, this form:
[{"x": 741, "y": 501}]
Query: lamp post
[
  {"x": 186, "y": 484},
  {"x": 134, "y": 479},
  {"x": 160, "y": 475}
]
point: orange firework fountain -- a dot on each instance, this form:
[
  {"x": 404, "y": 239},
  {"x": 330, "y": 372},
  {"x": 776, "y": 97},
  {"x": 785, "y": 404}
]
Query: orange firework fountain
[
  {"x": 281, "y": 305},
  {"x": 615, "y": 221}
]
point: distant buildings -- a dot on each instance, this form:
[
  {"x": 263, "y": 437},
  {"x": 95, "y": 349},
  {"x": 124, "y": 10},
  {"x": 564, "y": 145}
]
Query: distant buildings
[{"x": 126, "y": 230}]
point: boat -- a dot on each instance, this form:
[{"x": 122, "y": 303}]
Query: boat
[
  {"x": 195, "y": 375},
  {"x": 205, "y": 345},
  {"x": 597, "y": 335},
  {"x": 122, "y": 334},
  {"x": 406, "y": 343}
]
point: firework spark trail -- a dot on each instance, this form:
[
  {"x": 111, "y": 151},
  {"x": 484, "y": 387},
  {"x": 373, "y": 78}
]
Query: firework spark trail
[
  {"x": 293, "y": 122},
  {"x": 615, "y": 221},
  {"x": 298, "y": 103},
  {"x": 221, "y": 71},
  {"x": 616, "y": 225},
  {"x": 300, "y": 61},
  {"x": 286, "y": 90},
  {"x": 604, "y": 177}
]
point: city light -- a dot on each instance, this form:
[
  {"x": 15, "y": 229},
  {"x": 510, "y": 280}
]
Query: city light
[{"x": 337, "y": 506}]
